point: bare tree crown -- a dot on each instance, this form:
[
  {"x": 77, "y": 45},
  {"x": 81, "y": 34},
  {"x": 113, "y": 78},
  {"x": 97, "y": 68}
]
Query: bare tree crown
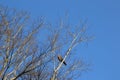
[{"x": 28, "y": 50}]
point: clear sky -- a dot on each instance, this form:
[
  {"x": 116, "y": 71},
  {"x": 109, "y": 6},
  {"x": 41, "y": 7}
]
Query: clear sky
[{"x": 104, "y": 22}]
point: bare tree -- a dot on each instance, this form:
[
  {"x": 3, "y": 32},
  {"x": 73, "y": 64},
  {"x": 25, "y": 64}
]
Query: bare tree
[{"x": 29, "y": 50}]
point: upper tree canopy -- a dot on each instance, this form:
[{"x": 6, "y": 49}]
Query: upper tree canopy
[{"x": 29, "y": 49}]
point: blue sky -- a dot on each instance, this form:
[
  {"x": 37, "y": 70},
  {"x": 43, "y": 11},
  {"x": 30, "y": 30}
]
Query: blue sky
[{"x": 104, "y": 22}]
